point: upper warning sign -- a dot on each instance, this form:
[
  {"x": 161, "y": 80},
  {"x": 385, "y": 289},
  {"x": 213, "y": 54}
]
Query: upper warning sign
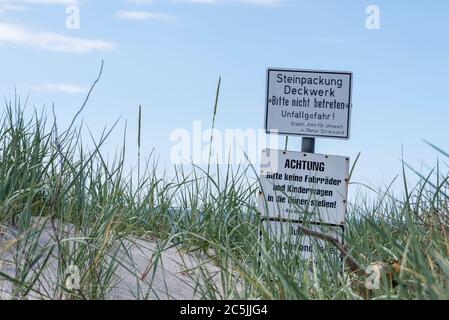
[{"x": 308, "y": 103}]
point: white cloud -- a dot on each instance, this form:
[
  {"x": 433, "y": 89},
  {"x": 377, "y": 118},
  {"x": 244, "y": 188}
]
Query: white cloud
[
  {"x": 198, "y": 1},
  {"x": 140, "y": 1},
  {"x": 143, "y": 16},
  {"x": 11, "y": 7},
  {"x": 61, "y": 87},
  {"x": 20, "y": 5},
  {"x": 15, "y": 34},
  {"x": 270, "y": 3},
  {"x": 253, "y": 2},
  {"x": 50, "y": 2},
  {"x": 263, "y": 2}
]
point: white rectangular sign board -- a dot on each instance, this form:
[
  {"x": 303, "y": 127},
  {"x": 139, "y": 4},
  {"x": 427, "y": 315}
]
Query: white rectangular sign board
[
  {"x": 308, "y": 103},
  {"x": 303, "y": 186},
  {"x": 292, "y": 235}
]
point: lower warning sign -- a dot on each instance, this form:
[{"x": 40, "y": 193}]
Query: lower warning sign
[
  {"x": 303, "y": 186},
  {"x": 292, "y": 237}
]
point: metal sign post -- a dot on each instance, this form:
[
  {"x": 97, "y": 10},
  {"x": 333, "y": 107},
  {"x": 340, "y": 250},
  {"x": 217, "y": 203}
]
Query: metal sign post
[{"x": 308, "y": 145}]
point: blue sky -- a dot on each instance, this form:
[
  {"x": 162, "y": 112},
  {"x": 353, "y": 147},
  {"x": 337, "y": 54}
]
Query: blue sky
[{"x": 168, "y": 54}]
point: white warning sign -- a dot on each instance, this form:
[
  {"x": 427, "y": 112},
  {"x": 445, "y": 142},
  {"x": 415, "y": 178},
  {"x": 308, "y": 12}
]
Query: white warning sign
[
  {"x": 303, "y": 186},
  {"x": 308, "y": 103},
  {"x": 292, "y": 237}
]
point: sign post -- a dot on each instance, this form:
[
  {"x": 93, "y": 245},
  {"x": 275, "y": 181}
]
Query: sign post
[
  {"x": 308, "y": 145},
  {"x": 304, "y": 187}
]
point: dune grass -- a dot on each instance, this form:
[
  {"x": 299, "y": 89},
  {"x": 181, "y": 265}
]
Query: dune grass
[{"x": 96, "y": 210}]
